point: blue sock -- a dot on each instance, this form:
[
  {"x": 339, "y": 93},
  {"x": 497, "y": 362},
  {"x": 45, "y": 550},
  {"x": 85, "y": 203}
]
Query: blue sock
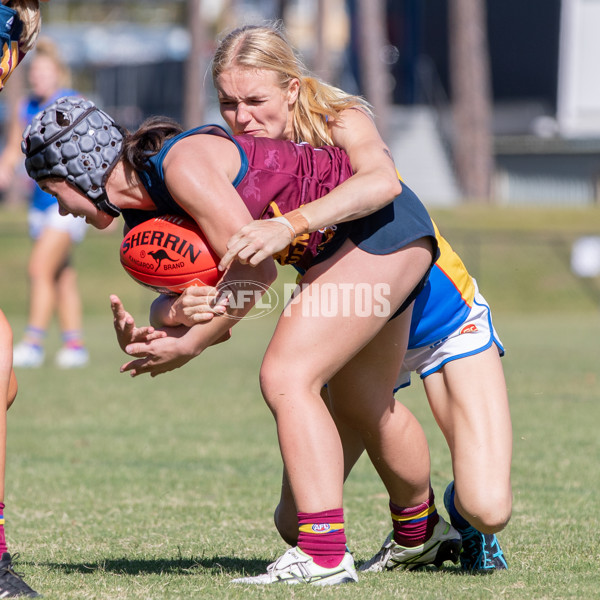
[{"x": 457, "y": 519}]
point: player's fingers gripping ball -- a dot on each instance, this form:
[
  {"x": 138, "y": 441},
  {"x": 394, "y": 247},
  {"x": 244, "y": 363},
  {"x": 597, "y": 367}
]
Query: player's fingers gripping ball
[{"x": 169, "y": 254}]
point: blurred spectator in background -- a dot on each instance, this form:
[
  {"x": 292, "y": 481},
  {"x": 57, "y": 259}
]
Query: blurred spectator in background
[{"x": 52, "y": 277}]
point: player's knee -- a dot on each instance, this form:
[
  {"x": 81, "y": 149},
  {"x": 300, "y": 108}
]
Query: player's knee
[
  {"x": 352, "y": 418},
  {"x": 277, "y": 383},
  {"x": 489, "y": 513},
  {"x": 271, "y": 384},
  {"x": 37, "y": 271},
  {"x": 491, "y": 522},
  {"x": 362, "y": 416}
]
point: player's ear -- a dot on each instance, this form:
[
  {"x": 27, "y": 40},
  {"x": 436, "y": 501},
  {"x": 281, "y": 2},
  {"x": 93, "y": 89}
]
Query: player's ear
[{"x": 293, "y": 91}]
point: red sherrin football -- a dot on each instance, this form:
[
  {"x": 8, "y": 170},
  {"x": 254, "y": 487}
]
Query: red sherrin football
[{"x": 169, "y": 254}]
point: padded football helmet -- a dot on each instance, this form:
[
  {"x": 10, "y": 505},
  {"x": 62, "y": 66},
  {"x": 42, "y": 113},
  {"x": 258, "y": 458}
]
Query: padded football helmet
[{"x": 72, "y": 139}]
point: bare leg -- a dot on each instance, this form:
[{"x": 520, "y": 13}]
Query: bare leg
[
  {"x": 305, "y": 353},
  {"x": 394, "y": 439},
  {"x": 286, "y": 514},
  {"x": 469, "y": 401},
  {"x": 48, "y": 257},
  {"x": 8, "y": 391},
  {"x": 69, "y": 304}
]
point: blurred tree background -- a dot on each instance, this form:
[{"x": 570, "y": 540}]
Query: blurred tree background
[
  {"x": 465, "y": 92},
  {"x": 148, "y": 58}
]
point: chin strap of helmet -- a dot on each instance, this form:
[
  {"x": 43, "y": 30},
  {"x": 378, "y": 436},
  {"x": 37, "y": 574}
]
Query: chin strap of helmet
[{"x": 105, "y": 205}]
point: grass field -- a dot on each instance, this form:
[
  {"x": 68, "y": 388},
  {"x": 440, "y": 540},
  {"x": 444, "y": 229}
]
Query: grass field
[{"x": 149, "y": 489}]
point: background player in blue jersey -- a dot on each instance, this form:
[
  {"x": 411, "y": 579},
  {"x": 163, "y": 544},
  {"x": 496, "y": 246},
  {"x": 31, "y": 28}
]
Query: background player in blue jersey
[
  {"x": 225, "y": 183},
  {"x": 53, "y": 283},
  {"x": 19, "y": 27},
  {"x": 264, "y": 90}
]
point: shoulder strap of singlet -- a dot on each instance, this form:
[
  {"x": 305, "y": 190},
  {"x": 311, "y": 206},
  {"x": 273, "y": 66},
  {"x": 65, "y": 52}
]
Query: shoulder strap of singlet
[{"x": 210, "y": 129}]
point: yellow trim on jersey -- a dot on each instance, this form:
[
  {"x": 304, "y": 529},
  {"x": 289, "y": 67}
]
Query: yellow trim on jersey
[
  {"x": 10, "y": 58},
  {"x": 450, "y": 264}
]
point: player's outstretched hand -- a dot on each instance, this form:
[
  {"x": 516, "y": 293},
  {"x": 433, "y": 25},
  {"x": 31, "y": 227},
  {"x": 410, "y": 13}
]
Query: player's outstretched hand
[
  {"x": 160, "y": 355},
  {"x": 256, "y": 241},
  {"x": 198, "y": 304},
  {"x": 125, "y": 329}
]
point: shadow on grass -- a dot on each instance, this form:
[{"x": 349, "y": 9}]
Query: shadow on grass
[
  {"x": 177, "y": 566},
  {"x": 193, "y": 566}
]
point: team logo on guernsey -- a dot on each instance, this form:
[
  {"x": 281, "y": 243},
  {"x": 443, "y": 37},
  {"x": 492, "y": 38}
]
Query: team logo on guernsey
[
  {"x": 272, "y": 160},
  {"x": 470, "y": 328}
]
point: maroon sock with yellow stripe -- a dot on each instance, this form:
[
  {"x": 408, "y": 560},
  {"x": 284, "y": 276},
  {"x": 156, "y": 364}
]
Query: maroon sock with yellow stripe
[
  {"x": 3, "y": 547},
  {"x": 321, "y": 535},
  {"x": 414, "y": 525}
]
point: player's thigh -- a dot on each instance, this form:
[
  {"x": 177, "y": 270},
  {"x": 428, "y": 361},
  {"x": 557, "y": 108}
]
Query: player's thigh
[
  {"x": 470, "y": 403},
  {"x": 362, "y": 390},
  {"x": 50, "y": 252},
  {"x": 341, "y": 305}
]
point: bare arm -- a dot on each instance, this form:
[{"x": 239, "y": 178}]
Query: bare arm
[
  {"x": 183, "y": 343},
  {"x": 194, "y": 305},
  {"x": 374, "y": 184},
  {"x": 198, "y": 173}
]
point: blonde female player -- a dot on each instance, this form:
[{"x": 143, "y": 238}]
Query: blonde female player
[
  {"x": 224, "y": 183},
  {"x": 20, "y": 23},
  {"x": 264, "y": 90}
]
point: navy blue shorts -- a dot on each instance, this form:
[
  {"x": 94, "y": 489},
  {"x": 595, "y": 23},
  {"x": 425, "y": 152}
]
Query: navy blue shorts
[{"x": 386, "y": 231}]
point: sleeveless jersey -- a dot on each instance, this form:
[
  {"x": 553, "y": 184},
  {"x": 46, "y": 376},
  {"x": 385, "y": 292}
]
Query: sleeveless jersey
[{"x": 274, "y": 178}]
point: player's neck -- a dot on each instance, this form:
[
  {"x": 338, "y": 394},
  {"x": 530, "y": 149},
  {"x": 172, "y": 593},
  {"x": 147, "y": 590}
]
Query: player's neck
[{"x": 125, "y": 186}]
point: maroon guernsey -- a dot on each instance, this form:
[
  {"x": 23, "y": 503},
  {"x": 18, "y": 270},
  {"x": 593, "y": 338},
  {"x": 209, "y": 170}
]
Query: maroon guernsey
[
  {"x": 282, "y": 176},
  {"x": 275, "y": 178}
]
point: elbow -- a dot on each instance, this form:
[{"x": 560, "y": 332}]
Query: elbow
[
  {"x": 392, "y": 188},
  {"x": 385, "y": 188}
]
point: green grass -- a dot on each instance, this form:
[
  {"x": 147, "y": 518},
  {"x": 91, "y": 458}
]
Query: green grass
[
  {"x": 521, "y": 257},
  {"x": 139, "y": 488},
  {"x": 146, "y": 489}
]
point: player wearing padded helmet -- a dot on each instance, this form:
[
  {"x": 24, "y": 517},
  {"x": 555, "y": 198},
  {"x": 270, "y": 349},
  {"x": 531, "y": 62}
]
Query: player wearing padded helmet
[
  {"x": 230, "y": 183},
  {"x": 74, "y": 140}
]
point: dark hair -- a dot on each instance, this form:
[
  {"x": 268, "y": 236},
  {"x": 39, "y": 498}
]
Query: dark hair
[{"x": 148, "y": 140}]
